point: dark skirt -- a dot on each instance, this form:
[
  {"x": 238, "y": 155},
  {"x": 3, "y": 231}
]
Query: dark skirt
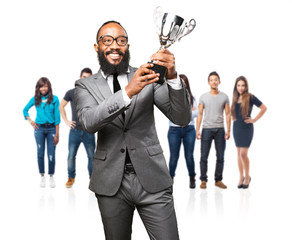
[{"x": 242, "y": 134}]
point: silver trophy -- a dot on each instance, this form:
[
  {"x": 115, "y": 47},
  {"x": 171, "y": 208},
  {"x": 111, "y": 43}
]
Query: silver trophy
[{"x": 170, "y": 28}]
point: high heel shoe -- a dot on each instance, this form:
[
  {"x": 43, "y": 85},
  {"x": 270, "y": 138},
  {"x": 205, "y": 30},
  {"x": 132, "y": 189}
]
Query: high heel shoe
[
  {"x": 246, "y": 186},
  {"x": 241, "y": 185}
]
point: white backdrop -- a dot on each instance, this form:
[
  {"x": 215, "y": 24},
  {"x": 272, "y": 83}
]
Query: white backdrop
[{"x": 55, "y": 39}]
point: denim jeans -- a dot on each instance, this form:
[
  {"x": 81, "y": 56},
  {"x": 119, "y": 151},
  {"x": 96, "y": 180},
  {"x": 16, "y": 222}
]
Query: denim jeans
[
  {"x": 42, "y": 135},
  {"x": 208, "y": 134},
  {"x": 187, "y": 136},
  {"x": 76, "y": 136}
]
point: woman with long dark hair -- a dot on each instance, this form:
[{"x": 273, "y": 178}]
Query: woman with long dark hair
[
  {"x": 187, "y": 136},
  {"x": 241, "y": 108},
  {"x": 46, "y": 126}
]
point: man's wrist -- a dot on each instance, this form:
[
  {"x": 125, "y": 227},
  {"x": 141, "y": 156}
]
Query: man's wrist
[
  {"x": 126, "y": 97},
  {"x": 175, "y": 83},
  {"x": 173, "y": 76}
]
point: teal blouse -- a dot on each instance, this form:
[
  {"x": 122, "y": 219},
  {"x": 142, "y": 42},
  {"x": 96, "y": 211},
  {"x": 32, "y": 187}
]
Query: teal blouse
[{"x": 46, "y": 113}]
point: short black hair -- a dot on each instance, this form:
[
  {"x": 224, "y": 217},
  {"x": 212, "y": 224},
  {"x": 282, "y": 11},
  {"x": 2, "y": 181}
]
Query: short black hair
[
  {"x": 86, "y": 70},
  {"x": 111, "y": 21},
  {"x": 213, "y": 73}
]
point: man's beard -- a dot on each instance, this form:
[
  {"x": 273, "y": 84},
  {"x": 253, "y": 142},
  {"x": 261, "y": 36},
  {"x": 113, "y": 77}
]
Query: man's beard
[{"x": 109, "y": 68}]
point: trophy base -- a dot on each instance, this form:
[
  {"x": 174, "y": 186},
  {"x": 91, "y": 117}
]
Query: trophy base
[{"x": 161, "y": 70}]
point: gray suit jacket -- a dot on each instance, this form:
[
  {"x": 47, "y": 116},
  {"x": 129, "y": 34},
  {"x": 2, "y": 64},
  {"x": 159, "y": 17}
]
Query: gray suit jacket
[{"x": 100, "y": 111}]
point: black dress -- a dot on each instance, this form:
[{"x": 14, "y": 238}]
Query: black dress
[{"x": 243, "y": 132}]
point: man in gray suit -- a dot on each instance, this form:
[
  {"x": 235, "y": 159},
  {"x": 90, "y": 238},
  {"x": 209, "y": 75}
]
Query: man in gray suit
[{"x": 129, "y": 169}]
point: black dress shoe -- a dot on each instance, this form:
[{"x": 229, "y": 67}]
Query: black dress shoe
[
  {"x": 240, "y": 185},
  {"x": 192, "y": 182},
  {"x": 246, "y": 186}
]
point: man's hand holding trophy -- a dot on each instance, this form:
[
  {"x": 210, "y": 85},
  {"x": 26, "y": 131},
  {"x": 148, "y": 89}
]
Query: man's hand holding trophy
[{"x": 170, "y": 28}]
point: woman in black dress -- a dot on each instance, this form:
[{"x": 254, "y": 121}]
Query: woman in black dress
[{"x": 241, "y": 108}]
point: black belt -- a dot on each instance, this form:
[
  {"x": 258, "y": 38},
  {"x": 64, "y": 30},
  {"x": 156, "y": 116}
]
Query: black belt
[
  {"x": 46, "y": 125},
  {"x": 129, "y": 168}
]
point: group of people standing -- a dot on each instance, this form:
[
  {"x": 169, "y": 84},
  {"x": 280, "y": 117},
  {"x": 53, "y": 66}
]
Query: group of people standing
[
  {"x": 210, "y": 110},
  {"x": 129, "y": 171}
]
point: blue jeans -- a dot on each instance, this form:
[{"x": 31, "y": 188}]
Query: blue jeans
[
  {"x": 76, "y": 136},
  {"x": 208, "y": 134},
  {"x": 42, "y": 135},
  {"x": 187, "y": 136}
]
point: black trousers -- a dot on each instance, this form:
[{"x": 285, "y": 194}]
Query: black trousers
[
  {"x": 156, "y": 211},
  {"x": 208, "y": 134}
]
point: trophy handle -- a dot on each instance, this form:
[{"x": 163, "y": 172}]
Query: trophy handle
[
  {"x": 188, "y": 28},
  {"x": 158, "y": 12},
  {"x": 157, "y": 18}
]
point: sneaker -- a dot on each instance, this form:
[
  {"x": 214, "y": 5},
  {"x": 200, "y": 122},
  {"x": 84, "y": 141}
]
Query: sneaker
[
  {"x": 43, "y": 182},
  {"x": 203, "y": 185},
  {"x": 70, "y": 182},
  {"x": 220, "y": 184},
  {"x": 52, "y": 182}
]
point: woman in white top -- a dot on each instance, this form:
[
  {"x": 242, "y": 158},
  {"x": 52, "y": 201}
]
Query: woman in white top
[{"x": 187, "y": 136}]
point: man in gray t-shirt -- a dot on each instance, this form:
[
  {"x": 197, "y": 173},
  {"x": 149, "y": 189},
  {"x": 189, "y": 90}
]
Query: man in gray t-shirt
[{"x": 213, "y": 104}]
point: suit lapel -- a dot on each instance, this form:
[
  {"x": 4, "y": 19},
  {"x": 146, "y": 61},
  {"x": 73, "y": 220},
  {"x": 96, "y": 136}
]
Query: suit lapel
[
  {"x": 101, "y": 84},
  {"x": 133, "y": 102}
]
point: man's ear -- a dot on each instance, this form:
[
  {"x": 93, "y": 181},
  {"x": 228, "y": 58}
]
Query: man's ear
[{"x": 96, "y": 47}]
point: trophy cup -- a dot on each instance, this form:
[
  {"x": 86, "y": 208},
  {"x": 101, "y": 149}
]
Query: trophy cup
[{"x": 170, "y": 28}]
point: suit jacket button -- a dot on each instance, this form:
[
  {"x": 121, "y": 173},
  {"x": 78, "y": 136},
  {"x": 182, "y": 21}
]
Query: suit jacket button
[{"x": 122, "y": 150}]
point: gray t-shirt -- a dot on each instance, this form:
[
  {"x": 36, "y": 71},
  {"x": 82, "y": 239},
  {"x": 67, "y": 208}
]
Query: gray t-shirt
[{"x": 213, "y": 109}]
